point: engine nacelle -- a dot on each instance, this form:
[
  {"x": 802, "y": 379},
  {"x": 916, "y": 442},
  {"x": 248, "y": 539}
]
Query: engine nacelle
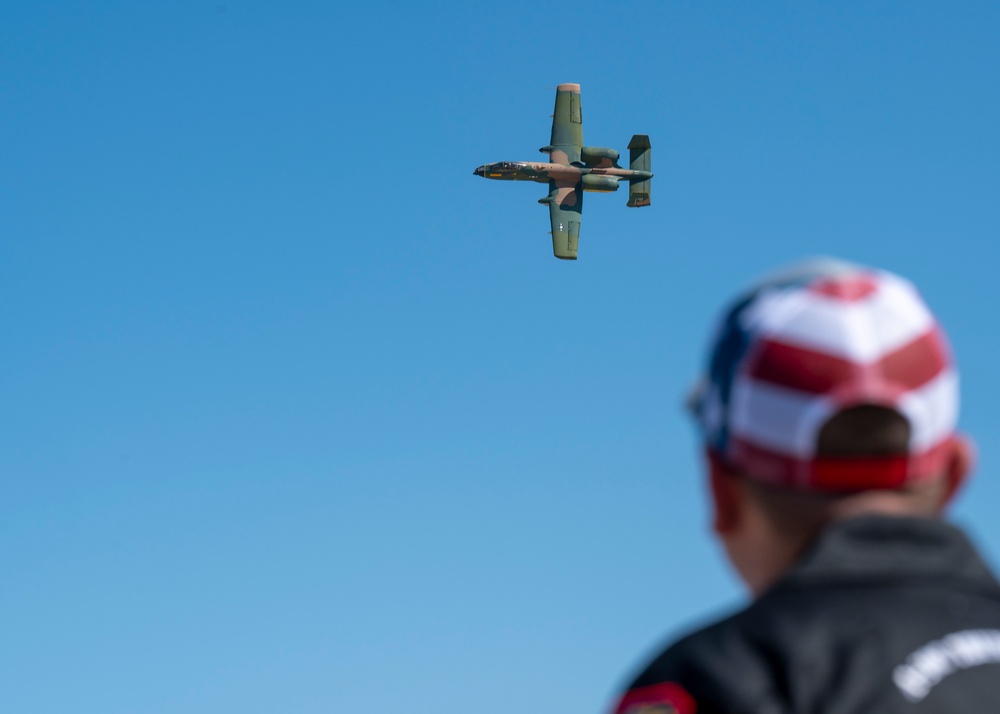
[
  {"x": 599, "y": 183},
  {"x": 596, "y": 155}
]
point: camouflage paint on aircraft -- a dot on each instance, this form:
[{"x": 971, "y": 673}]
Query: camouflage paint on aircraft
[{"x": 574, "y": 168}]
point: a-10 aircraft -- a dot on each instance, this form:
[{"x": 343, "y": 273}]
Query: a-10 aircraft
[{"x": 574, "y": 168}]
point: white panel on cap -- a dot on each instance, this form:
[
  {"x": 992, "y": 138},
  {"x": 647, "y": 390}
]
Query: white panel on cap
[
  {"x": 931, "y": 410},
  {"x": 771, "y": 309},
  {"x": 898, "y": 314},
  {"x": 777, "y": 418},
  {"x": 861, "y": 331}
]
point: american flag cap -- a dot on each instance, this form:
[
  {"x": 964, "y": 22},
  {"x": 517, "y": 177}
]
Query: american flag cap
[{"x": 809, "y": 342}]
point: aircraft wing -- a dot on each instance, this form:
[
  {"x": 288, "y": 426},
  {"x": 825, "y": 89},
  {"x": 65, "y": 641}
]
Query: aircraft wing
[
  {"x": 565, "y": 208},
  {"x": 567, "y": 126}
]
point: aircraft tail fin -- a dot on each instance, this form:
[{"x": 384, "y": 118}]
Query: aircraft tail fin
[{"x": 638, "y": 188}]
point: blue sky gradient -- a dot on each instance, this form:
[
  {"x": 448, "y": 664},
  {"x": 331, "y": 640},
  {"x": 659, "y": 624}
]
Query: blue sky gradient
[{"x": 299, "y": 415}]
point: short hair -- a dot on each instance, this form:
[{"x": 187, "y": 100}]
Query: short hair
[{"x": 864, "y": 430}]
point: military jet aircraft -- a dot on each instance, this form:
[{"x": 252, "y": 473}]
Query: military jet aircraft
[{"x": 574, "y": 168}]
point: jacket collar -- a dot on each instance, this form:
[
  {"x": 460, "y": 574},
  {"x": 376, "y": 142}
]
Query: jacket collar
[{"x": 889, "y": 549}]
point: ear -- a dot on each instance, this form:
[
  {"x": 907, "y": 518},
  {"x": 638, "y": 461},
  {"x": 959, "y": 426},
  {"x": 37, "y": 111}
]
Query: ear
[
  {"x": 959, "y": 467},
  {"x": 725, "y": 487}
]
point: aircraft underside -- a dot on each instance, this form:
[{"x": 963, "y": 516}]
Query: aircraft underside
[{"x": 573, "y": 169}]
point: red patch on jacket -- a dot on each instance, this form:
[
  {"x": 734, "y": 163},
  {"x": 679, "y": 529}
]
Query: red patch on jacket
[{"x": 662, "y": 698}]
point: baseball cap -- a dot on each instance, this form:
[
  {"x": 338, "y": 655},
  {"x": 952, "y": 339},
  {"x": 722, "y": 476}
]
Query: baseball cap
[{"x": 805, "y": 344}]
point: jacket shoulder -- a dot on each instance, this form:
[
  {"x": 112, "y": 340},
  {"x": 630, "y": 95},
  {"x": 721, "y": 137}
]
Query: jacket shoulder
[{"x": 718, "y": 668}]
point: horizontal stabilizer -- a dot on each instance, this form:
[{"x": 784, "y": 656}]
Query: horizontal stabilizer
[{"x": 639, "y": 160}]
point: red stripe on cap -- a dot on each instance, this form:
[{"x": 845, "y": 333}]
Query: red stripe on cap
[
  {"x": 662, "y": 693},
  {"x": 916, "y": 363},
  {"x": 804, "y": 370},
  {"x": 766, "y": 465},
  {"x": 801, "y": 369},
  {"x": 834, "y": 474},
  {"x": 848, "y": 287},
  {"x": 855, "y": 474}
]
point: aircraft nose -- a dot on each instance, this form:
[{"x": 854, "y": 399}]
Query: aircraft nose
[{"x": 479, "y": 172}]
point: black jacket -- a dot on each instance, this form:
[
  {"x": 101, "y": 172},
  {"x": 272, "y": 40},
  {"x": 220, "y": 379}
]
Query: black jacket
[{"x": 883, "y": 615}]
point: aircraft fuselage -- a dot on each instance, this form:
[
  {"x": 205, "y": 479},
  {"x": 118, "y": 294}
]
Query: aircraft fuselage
[{"x": 543, "y": 172}]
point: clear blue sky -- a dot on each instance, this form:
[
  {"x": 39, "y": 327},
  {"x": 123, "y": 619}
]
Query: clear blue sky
[{"x": 298, "y": 415}]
